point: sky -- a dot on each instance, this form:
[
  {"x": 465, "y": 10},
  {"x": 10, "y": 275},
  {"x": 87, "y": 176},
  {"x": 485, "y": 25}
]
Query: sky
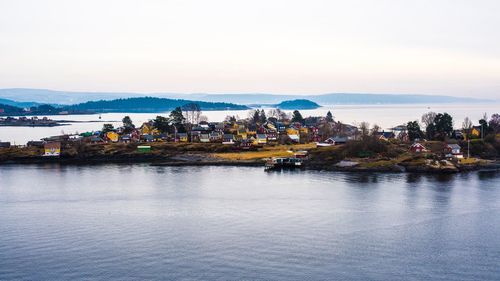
[{"x": 446, "y": 47}]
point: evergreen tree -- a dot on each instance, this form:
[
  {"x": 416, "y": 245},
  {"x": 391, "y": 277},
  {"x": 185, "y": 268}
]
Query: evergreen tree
[
  {"x": 162, "y": 124},
  {"x": 414, "y": 131},
  {"x": 297, "y": 117},
  {"x": 262, "y": 117},
  {"x": 128, "y": 125},
  {"x": 176, "y": 116},
  {"x": 107, "y": 128},
  {"x": 329, "y": 117}
]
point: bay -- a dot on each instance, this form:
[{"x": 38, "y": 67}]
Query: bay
[
  {"x": 136, "y": 222},
  {"x": 386, "y": 116}
]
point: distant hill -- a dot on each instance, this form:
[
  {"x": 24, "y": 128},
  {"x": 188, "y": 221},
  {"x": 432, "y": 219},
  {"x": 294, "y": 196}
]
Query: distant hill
[
  {"x": 333, "y": 99},
  {"x": 42, "y": 96},
  {"x": 148, "y": 104},
  {"x": 297, "y": 104},
  {"x": 17, "y": 103}
]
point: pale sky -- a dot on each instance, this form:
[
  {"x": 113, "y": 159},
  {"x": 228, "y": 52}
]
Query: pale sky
[{"x": 449, "y": 47}]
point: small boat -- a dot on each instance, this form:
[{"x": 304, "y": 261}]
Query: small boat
[
  {"x": 324, "y": 144},
  {"x": 278, "y": 163}
]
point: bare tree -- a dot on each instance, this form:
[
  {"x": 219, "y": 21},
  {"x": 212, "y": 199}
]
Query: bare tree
[
  {"x": 428, "y": 118},
  {"x": 203, "y": 118},
  {"x": 375, "y": 129},
  {"x": 466, "y": 127},
  {"x": 192, "y": 113},
  {"x": 277, "y": 113},
  {"x": 364, "y": 127}
]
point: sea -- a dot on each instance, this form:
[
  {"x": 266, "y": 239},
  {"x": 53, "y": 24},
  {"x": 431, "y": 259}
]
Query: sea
[
  {"x": 386, "y": 116},
  {"x": 140, "y": 222}
]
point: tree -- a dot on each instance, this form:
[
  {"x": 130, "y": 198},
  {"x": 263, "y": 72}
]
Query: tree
[
  {"x": 325, "y": 130},
  {"x": 162, "y": 124},
  {"x": 192, "y": 112},
  {"x": 375, "y": 129},
  {"x": 428, "y": 118},
  {"x": 444, "y": 125},
  {"x": 414, "y": 131},
  {"x": 297, "y": 117},
  {"x": 329, "y": 116},
  {"x": 107, "y": 128},
  {"x": 364, "y": 127},
  {"x": 176, "y": 116},
  {"x": 128, "y": 125},
  {"x": 494, "y": 123},
  {"x": 262, "y": 117},
  {"x": 467, "y": 127},
  {"x": 484, "y": 127},
  {"x": 230, "y": 119},
  {"x": 254, "y": 116},
  {"x": 277, "y": 113}
]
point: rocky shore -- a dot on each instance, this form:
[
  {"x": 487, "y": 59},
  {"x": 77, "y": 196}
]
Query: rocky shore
[{"x": 170, "y": 154}]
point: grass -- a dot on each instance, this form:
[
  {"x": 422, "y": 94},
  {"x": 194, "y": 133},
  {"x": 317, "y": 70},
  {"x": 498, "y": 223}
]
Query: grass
[
  {"x": 266, "y": 152},
  {"x": 468, "y": 161}
]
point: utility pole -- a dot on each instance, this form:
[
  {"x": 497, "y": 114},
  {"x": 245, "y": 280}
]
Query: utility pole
[{"x": 468, "y": 148}]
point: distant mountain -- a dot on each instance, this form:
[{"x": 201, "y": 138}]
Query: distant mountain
[
  {"x": 332, "y": 99},
  {"x": 148, "y": 104},
  {"x": 42, "y": 96},
  {"x": 297, "y": 104}
]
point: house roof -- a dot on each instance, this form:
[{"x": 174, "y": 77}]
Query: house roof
[
  {"x": 338, "y": 139},
  {"x": 454, "y": 146}
]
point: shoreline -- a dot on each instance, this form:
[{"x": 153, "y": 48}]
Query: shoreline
[
  {"x": 194, "y": 154},
  {"x": 172, "y": 162}
]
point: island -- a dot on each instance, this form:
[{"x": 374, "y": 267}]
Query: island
[
  {"x": 133, "y": 105},
  {"x": 315, "y": 142},
  {"x": 297, "y": 104}
]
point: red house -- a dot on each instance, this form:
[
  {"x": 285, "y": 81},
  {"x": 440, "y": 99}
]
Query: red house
[{"x": 417, "y": 148}]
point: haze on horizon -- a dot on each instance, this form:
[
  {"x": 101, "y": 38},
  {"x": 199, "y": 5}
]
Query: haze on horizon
[{"x": 445, "y": 47}]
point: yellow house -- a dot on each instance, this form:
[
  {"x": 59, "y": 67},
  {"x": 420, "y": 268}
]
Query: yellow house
[
  {"x": 242, "y": 134},
  {"x": 292, "y": 131},
  {"x": 475, "y": 132},
  {"x": 148, "y": 129},
  {"x": 52, "y": 149},
  {"x": 112, "y": 136},
  {"x": 183, "y": 137}
]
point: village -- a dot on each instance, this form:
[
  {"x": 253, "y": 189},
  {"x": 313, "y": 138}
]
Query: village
[{"x": 276, "y": 134}]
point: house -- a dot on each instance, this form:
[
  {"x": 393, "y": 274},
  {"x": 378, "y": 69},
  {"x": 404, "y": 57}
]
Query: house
[
  {"x": 272, "y": 136},
  {"x": 204, "y": 138},
  {"x": 96, "y": 139},
  {"x": 125, "y": 139},
  {"x": 294, "y": 138},
  {"x": 52, "y": 149},
  {"x": 112, "y": 136},
  {"x": 4, "y": 144},
  {"x": 38, "y": 144},
  {"x": 228, "y": 139},
  {"x": 385, "y": 135},
  {"x": 453, "y": 151},
  {"x": 337, "y": 140},
  {"x": 148, "y": 129},
  {"x": 261, "y": 139},
  {"x": 182, "y": 137},
  {"x": 417, "y": 148},
  {"x": 216, "y": 136},
  {"x": 148, "y": 138}
]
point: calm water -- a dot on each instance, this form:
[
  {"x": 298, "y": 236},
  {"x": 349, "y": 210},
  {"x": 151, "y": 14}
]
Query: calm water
[
  {"x": 386, "y": 116},
  {"x": 124, "y": 222}
]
